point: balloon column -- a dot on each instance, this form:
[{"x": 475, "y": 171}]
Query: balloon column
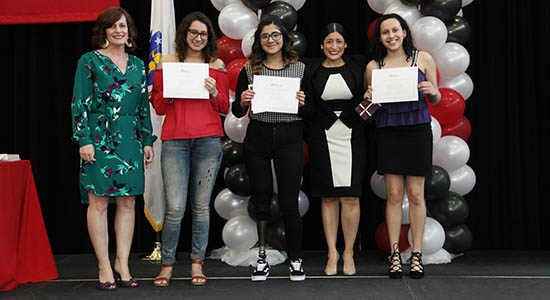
[
  {"x": 437, "y": 27},
  {"x": 238, "y": 20}
]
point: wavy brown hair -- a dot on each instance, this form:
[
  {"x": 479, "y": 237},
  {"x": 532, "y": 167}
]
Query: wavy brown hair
[
  {"x": 210, "y": 51},
  {"x": 257, "y": 57},
  {"x": 105, "y": 20}
]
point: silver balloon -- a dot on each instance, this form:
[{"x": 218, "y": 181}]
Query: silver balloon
[
  {"x": 451, "y": 153},
  {"x": 297, "y": 4},
  {"x": 303, "y": 203},
  {"x": 409, "y": 13},
  {"x": 236, "y": 20},
  {"x": 463, "y": 180},
  {"x": 240, "y": 233},
  {"x": 405, "y": 208},
  {"x": 235, "y": 127},
  {"x": 451, "y": 60},
  {"x": 460, "y": 13},
  {"x": 380, "y": 6},
  {"x": 220, "y": 4},
  {"x": 429, "y": 34},
  {"x": 229, "y": 205},
  {"x": 378, "y": 185},
  {"x": 466, "y": 2},
  {"x": 433, "y": 238},
  {"x": 436, "y": 131},
  {"x": 246, "y": 43},
  {"x": 462, "y": 83}
]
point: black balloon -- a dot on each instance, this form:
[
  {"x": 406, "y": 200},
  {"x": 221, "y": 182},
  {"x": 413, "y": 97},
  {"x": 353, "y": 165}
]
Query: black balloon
[
  {"x": 458, "y": 239},
  {"x": 276, "y": 237},
  {"x": 437, "y": 186},
  {"x": 442, "y": 9},
  {"x": 412, "y": 2},
  {"x": 275, "y": 215},
  {"x": 299, "y": 43},
  {"x": 256, "y": 4},
  {"x": 237, "y": 180},
  {"x": 283, "y": 11},
  {"x": 232, "y": 152},
  {"x": 449, "y": 211},
  {"x": 459, "y": 31}
]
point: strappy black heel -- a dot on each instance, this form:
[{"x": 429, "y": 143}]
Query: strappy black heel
[
  {"x": 395, "y": 270},
  {"x": 417, "y": 268}
]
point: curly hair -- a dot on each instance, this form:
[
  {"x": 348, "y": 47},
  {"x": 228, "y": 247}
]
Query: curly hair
[
  {"x": 258, "y": 55},
  {"x": 105, "y": 20},
  {"x": 379, "y": 51},
  {"x": 210, "y": 51}
]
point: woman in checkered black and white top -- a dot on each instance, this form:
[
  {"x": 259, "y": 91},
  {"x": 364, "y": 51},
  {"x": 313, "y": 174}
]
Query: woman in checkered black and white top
[{"x": 274, "y": 136}]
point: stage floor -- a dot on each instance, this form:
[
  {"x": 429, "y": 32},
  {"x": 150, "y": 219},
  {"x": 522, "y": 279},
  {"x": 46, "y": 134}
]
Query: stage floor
[{"x": 475, "y": 275}]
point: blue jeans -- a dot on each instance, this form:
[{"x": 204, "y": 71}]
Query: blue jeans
[{"x": 188, "y": 166}]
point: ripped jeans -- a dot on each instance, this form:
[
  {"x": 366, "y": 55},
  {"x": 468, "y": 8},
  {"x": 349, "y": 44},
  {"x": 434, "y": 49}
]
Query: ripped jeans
[{"x": 189, "y": 166}]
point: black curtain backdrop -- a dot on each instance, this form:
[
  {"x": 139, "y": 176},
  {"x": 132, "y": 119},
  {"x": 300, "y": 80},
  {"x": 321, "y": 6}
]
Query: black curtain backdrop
[{"x": 509, "y": 148}]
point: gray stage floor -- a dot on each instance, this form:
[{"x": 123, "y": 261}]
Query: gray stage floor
[{"x": 476, "y": 275}]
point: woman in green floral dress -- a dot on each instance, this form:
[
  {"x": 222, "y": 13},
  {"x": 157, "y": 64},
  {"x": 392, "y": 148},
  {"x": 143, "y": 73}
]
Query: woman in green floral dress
[{"x": 111, "y": 122}]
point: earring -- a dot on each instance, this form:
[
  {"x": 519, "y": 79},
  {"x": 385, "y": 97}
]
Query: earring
[
  {"x": 106, "y": 44},
  {"x": 129, "y": 43}
]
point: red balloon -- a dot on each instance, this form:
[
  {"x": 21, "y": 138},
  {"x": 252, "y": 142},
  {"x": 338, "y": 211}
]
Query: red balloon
[
  {"x": 461, "y": 128},
  {"x": 306, "y": 152},
  {"x": 371, "y": 29},
  {"x": 450, "y": 108},
  {"x": 383, "y": 241},
  {"x": 229, "y": 49},
  {"x": 233, "y": 70}
]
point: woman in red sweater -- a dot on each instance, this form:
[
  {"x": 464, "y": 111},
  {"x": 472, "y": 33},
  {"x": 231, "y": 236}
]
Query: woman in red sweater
[{"x": 191, "y": 144}]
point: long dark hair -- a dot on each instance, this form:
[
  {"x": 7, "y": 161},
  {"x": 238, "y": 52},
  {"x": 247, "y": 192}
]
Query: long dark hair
[
  {"x": 105, "y": 20},
  {"x": 258, "y": 55},
  {"x": 379, "y": 51},
  {"x": 210, "y": 51}
]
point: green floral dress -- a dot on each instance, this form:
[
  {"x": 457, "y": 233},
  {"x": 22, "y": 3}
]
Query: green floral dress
[{"x": 110, "y": 110}]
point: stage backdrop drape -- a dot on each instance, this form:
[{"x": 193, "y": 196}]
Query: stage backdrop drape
[{"x": 509, "y": 207}]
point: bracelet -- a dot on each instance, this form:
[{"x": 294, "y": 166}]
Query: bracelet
[{"x": 170, "y": 100}]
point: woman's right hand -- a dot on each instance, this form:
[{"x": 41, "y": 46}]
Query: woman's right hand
[
  {"x": 246, "y": 97},
  {"x": 368, "y": 93},
  {"x": 87, "y": 153}
]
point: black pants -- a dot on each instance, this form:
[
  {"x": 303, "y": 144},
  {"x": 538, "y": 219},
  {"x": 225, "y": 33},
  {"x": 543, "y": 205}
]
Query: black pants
[{"x": 281, "y": 142}]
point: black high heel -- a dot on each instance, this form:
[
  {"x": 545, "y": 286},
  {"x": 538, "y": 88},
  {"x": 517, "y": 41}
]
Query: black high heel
[
  {"x": 417, "y": 268},
  {"x": 132, "y": 283},
  {"x": 395, "y": 270}
]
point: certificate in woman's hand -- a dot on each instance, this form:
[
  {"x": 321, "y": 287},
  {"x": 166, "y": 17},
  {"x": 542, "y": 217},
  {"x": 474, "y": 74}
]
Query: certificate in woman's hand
[
  {"x": 395, "y": 85},
  {"x": 184, "y": 80}
]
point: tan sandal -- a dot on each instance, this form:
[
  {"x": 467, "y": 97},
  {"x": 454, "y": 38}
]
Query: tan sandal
[
  {"x": 162, "y": 281},
  {"x": 198, "y": 279}
]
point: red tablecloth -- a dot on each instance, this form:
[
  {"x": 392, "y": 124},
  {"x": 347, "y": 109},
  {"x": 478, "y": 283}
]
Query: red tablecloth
[{"x": 24, "y": 244}]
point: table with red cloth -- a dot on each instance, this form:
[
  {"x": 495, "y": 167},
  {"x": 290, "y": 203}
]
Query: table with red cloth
[{"x": 25, "y": 250}]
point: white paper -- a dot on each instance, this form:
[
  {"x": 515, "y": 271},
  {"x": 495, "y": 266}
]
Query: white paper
[
  {"x": 9, "y": 157},
  {"x": 275, "y": 94},
  {"x": 185, "y": 80},
  {"x": 395, "y": 85}
]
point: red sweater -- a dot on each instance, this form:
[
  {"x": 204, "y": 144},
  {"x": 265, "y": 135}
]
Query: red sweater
[{"x": 191, "y": 118}]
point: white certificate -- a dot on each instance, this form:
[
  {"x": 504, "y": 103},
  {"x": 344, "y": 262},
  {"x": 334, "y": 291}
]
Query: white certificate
[
  {"x": 275, "y": 94},
  {"x": 184, "y": 80},
  {"x": 395, "y": 85}
]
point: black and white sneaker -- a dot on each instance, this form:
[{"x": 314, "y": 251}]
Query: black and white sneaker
[
  {"x": 296, "y": 270},
  {"x": 262, "y": 270}
]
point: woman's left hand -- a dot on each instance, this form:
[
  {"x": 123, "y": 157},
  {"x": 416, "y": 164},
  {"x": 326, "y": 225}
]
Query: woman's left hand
[
  {"x": 148, "y": 155},
  {"x": 210, "y": 85},
  {"x": 427, "y": 88},
  {"x": 301, "y": 96}
]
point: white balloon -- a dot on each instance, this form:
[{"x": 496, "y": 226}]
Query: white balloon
[
  {"x": 380, "y": 6},
  {"x": 451, "y": 153},
  {"x": 433, "y": 238},
  {"x": 220, "y": 4},
  {"x": 461, "y": 83},
  {"x": 463, "y": 180},
  {"x": 409, "y": 13},
  {"x": 466, "y": 2},
  {"x": 240, "y": 233},
  {"x": 460, "y": 13},
  {"x": 436, "y": 131},
  {"x": 229, "y": 205},
  {"x": 236, "y": 20},
  {"x": 297, "y": 4},
  {"x": 429, "y": 34},
  {"x": 303, "y": 203},
  {"x": 236, "y": 127},
  {"x": 405, "y": 208},
  {"x": 246, "y": 43},
  {"x": 378, "y": 185},
  {"x": 452, "y": 59}
]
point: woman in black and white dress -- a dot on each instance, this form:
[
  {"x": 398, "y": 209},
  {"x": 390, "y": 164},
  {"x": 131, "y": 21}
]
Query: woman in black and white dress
[{"x": 337, "y": 142}]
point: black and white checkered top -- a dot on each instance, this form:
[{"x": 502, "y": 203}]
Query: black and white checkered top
[{"x": 294, "y": 70}]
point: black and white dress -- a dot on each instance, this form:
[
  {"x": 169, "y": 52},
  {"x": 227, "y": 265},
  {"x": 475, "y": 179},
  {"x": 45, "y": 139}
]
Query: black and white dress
[{"x": 335, "y": 133}]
